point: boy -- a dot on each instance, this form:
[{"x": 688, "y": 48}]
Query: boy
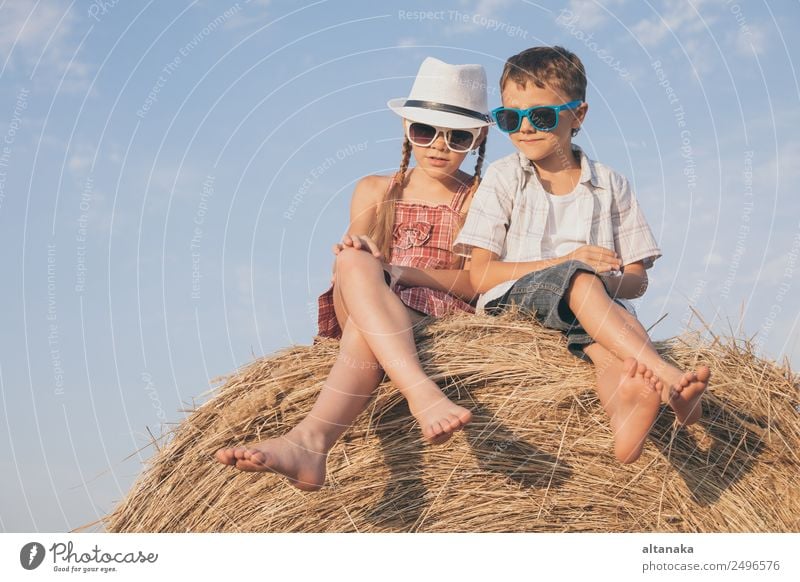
[{"x": 556, "y": 233}]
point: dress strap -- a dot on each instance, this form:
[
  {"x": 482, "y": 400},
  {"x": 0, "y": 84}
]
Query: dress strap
[{"x": 459, "y": 197}]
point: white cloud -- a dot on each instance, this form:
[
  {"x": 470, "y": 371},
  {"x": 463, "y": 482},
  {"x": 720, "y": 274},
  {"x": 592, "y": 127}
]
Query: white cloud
[
  {"x": 780, "y": 171},
  {"x": 752, "y": 39},
  {"x": 592, "y": 13},
  {"x": 40, "y": 39},
  {"x": 257, "y": 17},
  {"x": 678, "y": 17},
  {"x": 474, "y": 17},
  {"x": 80, "y": 160}
]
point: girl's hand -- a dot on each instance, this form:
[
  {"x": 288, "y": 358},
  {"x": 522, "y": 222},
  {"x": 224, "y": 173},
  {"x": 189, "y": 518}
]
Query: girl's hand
[
  {"x": 360, "y": 242},
  {"x": 601, "y": 259}
]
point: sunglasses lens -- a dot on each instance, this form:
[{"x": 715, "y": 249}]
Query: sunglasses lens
[
  {"x": 544, "y": 118},
  {"x": 460, "y": 140},
  {"x": 507, "y": 120},
  {"x": 421, "y": 134}
]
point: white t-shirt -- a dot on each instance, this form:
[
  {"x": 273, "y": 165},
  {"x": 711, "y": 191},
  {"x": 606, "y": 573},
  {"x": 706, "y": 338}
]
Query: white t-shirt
[{"x": 567, "y": 224}]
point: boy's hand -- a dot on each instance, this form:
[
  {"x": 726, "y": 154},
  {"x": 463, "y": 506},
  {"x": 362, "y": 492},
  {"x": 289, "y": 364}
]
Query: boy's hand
[
  {"x": 601, "y": 259},
  {"x": 395, "y": 272},
  {"x": 361, "y": 242}
]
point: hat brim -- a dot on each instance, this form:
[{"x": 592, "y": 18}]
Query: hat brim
[{"x": 433, "y": 117}]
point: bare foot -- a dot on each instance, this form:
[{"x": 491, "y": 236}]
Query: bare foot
[
  {"x": 437, "y": 415},
  {"x": 298, "y": 456},
  {"x": 685, "y": 395},
  {"x": 636, "y": 404}
]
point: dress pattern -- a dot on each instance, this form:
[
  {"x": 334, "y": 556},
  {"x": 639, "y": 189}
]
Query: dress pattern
[{"x": 422, "y": 238}]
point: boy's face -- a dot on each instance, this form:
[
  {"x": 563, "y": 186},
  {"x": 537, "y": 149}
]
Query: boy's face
[{"x": 536, "y": 145}]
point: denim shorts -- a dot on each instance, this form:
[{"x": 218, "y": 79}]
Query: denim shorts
[{"x": 541, "y": 293}]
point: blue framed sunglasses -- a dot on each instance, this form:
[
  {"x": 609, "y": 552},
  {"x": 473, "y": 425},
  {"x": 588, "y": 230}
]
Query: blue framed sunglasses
[{"x": 542, "y": 117}]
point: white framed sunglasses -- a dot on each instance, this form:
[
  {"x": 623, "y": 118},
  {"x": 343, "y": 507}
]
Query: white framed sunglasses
[{"x": 457, "y": 140}]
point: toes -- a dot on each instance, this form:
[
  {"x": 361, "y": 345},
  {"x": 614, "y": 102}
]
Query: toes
[
  {"x": 454, "y": 421},
  {"x": 240, "y": 453},
  {"x": 703, "y": 374},
  {"x": 249, "y": 467},
  {"x": 629, "y": 367},
  {"x": 225, "y": 456},
  {"x": 648, "y": 374},
  {"x": 641, "y": 369},
  {"x": 435, "y": 434},
  {"x": 429, "y": 432},
  {"x": 257, "y": 458}
]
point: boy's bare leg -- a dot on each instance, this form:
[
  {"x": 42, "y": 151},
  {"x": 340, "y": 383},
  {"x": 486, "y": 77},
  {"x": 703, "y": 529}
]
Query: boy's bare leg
[
  {"x": 615, "y": 329},
  {"x": 300, "y": 454},
  {"x": 630, "y": 394},
  {"x": 384, "y": 322}
]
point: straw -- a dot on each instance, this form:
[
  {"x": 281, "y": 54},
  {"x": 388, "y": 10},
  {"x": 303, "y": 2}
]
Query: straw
[{"x": 536, "y": 457}]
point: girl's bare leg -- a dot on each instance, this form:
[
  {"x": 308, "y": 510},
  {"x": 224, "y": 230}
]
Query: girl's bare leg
[
  {"x": 384, "y": 323},
  {"x": 301, "y": 453},
  {"x": 617, "y": 331},
  {"x": 630, "y": 394}
]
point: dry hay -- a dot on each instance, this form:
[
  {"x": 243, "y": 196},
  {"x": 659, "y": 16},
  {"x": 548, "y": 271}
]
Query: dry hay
[{"x": 536, "y": 457}]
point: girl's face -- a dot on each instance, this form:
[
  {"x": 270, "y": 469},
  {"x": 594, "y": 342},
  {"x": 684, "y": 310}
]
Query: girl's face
[{"x": 437, "y": 160}]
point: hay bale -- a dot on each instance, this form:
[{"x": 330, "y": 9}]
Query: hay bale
[{"x": 536, "y": 457}]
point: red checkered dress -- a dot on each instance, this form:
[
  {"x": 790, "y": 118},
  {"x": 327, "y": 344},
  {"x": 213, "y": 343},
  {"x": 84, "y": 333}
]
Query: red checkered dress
[{"x": 422, "y": 238}]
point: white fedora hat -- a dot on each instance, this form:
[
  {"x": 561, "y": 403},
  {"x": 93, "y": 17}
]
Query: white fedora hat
[{"x": 451, "y": 96}]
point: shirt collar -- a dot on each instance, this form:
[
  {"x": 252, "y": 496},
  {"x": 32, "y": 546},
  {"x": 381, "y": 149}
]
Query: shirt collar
[{"x": 588, "y": 171}]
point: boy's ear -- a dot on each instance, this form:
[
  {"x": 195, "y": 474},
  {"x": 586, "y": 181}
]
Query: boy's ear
[{"x": 580, "y": 115}]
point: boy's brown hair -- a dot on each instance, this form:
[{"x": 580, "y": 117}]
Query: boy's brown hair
[{"x": 551, "y": 67}]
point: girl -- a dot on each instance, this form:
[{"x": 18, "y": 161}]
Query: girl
[{"x": 393, "y": 267}]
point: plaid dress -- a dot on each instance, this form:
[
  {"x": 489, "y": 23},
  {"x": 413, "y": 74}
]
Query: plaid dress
[{"x": 422, "y": 238}]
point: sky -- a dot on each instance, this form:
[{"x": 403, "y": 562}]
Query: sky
[{"x": 173, "y": 175}]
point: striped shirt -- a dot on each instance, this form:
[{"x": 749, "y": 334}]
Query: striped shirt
[{"x": 508, "y": 216}]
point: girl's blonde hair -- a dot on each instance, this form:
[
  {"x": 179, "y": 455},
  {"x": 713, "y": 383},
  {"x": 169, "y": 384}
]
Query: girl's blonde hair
[{"x": 383, "y": 227}]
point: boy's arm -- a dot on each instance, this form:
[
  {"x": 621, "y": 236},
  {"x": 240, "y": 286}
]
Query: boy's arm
[
  {"x": 488, "y": 272},
  {"x": 631, "y": 284},
  {"x": 633, "y": 238}
]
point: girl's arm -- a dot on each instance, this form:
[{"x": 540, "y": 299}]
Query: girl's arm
[
  {"x": 363, "y": 212},
  {"x": 453, "y": 281},
  {"x": 364, "y": 204}
]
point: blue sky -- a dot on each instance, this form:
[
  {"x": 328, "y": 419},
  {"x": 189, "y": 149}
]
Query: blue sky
[{"x": 172, "y": 176}]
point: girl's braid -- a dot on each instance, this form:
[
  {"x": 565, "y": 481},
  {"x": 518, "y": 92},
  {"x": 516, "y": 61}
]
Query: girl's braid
[
  {"x": 476, "y": 177},
  {"x": 382, "y": 231}
]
